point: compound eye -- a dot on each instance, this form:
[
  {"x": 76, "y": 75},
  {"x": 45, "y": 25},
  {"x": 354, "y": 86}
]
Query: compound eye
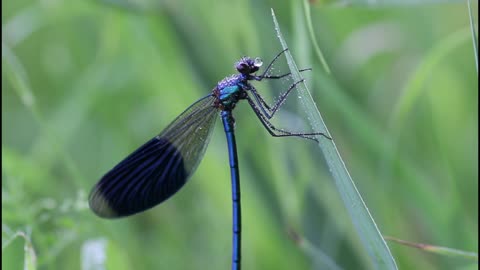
[
  {"x": 258, "y": 62},
  {"x": 242, "y": 68}
]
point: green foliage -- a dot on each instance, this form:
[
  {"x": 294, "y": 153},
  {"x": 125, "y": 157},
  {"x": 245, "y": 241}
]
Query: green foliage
[{"x": 85, "y": 83}]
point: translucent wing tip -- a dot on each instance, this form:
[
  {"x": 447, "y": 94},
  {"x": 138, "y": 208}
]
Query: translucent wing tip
[{"x": 100, "y": 205}]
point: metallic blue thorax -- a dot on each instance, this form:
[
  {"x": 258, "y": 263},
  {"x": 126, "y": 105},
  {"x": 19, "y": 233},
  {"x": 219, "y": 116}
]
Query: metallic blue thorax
[{"x": 230, "y": 90}]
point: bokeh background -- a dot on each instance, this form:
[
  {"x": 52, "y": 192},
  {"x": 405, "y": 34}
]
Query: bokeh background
[{"x": 86, "y": 82}]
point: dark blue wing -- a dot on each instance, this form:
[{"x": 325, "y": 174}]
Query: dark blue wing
[{"x": 159, "y": 168}]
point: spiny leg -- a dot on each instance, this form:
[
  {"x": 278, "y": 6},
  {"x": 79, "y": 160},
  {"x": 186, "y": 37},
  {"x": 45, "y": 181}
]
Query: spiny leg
[
  {"x": 261, "y": 102},
  {"x": 266, "y": 109},
  {"x": 271, "y": 63},
  {"x": 261, "y": 77},
  {"x": 264, "y": 76},
  {"x": 272, "y": 129}
]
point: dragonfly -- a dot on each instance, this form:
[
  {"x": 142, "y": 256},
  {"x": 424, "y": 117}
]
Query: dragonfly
[{"x": 161, "y": 167}]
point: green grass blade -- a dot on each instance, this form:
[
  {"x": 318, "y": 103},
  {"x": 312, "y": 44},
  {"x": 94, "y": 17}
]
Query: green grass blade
[
  {"x": 474, "y": 36},
  {"x": 415, "y": 85},
  {"x": 17, "y": 75},
  {"x": 437, "y": 249},
  {"x": 308, "y": 19},
  {"x": 380, "y": 3},
  {"x": 362, "y": 220},
  {"x": 29, "y": 254},
  {"x": 319, "y": 258}
]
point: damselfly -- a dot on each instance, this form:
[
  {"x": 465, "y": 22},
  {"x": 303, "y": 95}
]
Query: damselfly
[{"x": 160, "y": 167}]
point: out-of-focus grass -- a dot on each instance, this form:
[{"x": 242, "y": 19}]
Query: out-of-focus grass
[{"x": 105, "y": 77}]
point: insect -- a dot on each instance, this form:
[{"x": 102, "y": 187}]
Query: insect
[{"x": 160, "y": 167}]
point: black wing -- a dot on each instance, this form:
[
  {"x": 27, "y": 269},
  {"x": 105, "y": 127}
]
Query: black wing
[{"x": 159, "y": 168}]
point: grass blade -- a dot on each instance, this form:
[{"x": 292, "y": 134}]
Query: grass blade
[
  {"x": 308, "y": 19},
  {"x": 437, "y": 249},
  {"x": 365, "y": 225},
  {"x": 474, "y": 36}
]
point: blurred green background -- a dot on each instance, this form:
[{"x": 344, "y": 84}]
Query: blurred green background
[{"x": 86, "y": 82}]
